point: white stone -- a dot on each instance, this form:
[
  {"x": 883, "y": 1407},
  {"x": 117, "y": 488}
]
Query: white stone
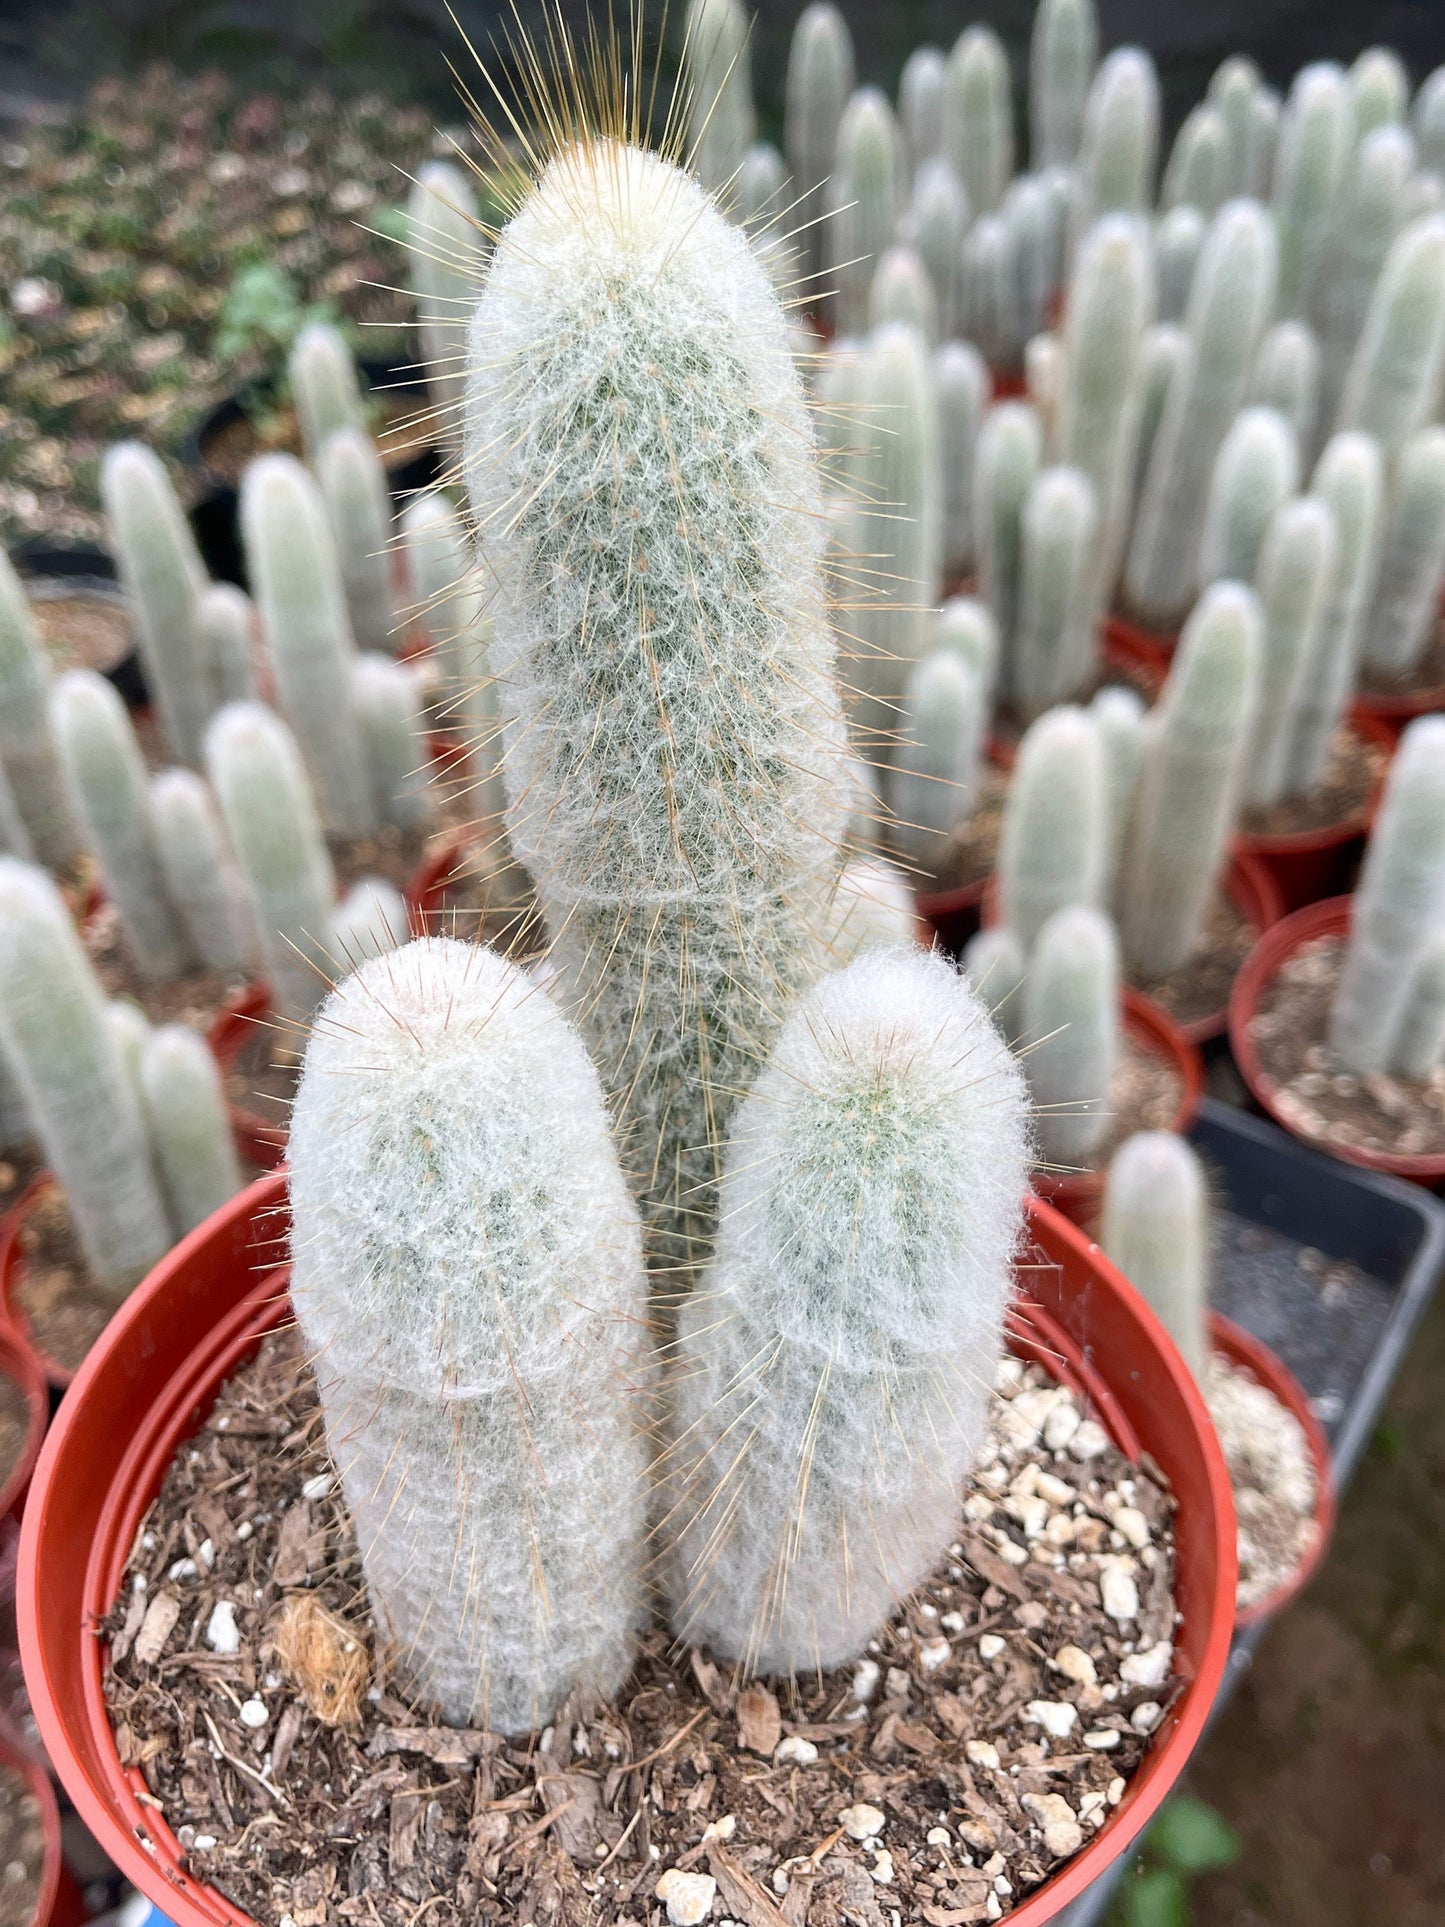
[
  {"x": 1057, "y": 1491},
  {"x": 1022, "y": 1422},
  {"x": 721, "y": 1830},
  {"x": 1146, "y": 1716},
  {"x": 183, "y": 1569},
  {"x": 898, "y": 1683},
  {"x": 1116, "y": 1790},
  {"x": 994, "y": 1908},
  {"x": 203, "y": 1842},
  {"x": 1088, "y": 1441},
  {"x": 318, "y": 1487},
  {"x": 795, "y": 1752},
  {"x": 206, "y": 1554},
  {"x": 1075, "y": 1664},
  {"x": 1010, "y": 1552},
  {"x": 882, "y": 1868},
  {"x": 866, "y": 1675},
  {"x": 1054, "y": 1818},
  {"x": 990, "y": 1646},
  {"x": 254, "y": 1714},
  {"x": 1103, "y": 1739},
  {"x": 862, "y": 1822},
  {"x": 1031, "y": 1511},
  {"x": 688, "y": 1897},
  {"x": 1119, "y": 1593},
  {"x": 1135, "y": 1527},
  {"x": 223, "y": 1635},
  {"x": 981, "y": 1753},
  {"x": 952, "y": 1622},
  {"x": 933, "y": 1653},
  {"x": 244, "y": 1530},
  {"x": 1056, "y": 1717},
  {"x": 1061, "y": 1424},
  {"x": 1147, "y": 1668},
  {"x": 939, "y": 1837}
]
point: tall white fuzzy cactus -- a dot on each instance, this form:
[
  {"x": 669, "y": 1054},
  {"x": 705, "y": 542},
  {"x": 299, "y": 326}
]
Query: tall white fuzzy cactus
[
  {"x": 324, "y": 385},
  {"x": 1052, "y": 842},
  {"x": 1379, "y": 90},
  {"x": 874, "y": 906},
  {"x": 163, "y": 575},
  {"x": 1229, "y": 304},
  {"x": 297, "y": 579},
  {"x": 190, "y": 1132},
  {"x": 1369, "y": 213},
  {"x": 1178, "y": 237},
  {"x": 29, "y": 757},
  {"x": 945, "y": 715},
  {"x": 864, "y": 196},
  {"x": 270, "y": 815},
  {"x": 1427, "y": 118},
  {"x": 447, "y": 250},
  {"x": 229, "y": 632},
  {"x": 1314, "y": 150},
  {"x": 387, "y": 699},
  {"x": 1256, "y": 470},
  {"x": 1349, "y": 479},
  {"x": 1119, "y": 152},
  {"x": 1234, "y": 90},
  {"x": 961, "y": 389},
  {"x": 980, "y": 129},
  {"x": 200, "y": 873},
  {"x": 923, "y": 105},
  {"x": 995, "y": 964},
  {"x": 1156, "y": 1230},
  {"x": 1294, "y": 582},
  {"x": 14, "y": 837},
  {"x": 467, "y": 1275},
  {"x": 966, "y": 626},
  {"x": 819, "y": 84},
  {"x": 1165, "y": 351},
  {"x": 1189, "y": 786},
  {"x": 452, "y": 610},
  {"x": 1405, "y": 604},
  {"x": 1056, "y": 641},
  {"x": 1063, "y": 53},
  {"x": 1034, "y": 217},
  {"x": 1287, "y": 377},
  {"x": 836, "y": 1364},
  {"x": 1120, "y": 718},
  {"x": 61, "y": 1050},
  {"x": 1394, "y": 378},
  {"x": 108, "y": 779},
  {"x": 642, "y": 477},
  {"x": 722, "y": 118},
  {"x": 1071, "y": 1024},
  {"x": 358, "y": 507},
  {"x": 898, "y": 525},
  {"x": 1419, "y": 1043},
  {"x": 989, "y": 294},
  {"x": 936, "y": 223},
  {"x": 369, "y": 920},
  {"x": 1198, "y": 171},
  {"x": 1008, "y": 459},
  {"x": 1399, "y": 902},
  {"x": 1096, "y": 422},
  {"x": 903, "y": 293}
]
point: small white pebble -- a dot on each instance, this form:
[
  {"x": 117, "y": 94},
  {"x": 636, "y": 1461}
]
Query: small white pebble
[
  {"x": 1012, "y": 1553},
  {"x": 1056, "y": 1717},
  {"x": 898, "y": 1683},
  {"x": 1056, "y": 1491},
  {"x": 223, "y": 1635},
  {"x": 882, "y": 1868},
  {"x": 721, "y": 1830},
  {"x": 206, "y": 1554},
  {"x": 688, "y": 1897},
  {"x": 981, "y": 1753},
  {"x": 1092, "y": 1802},
  {"x": 990, "y": 1646},
  {"x": 1002, "y": 1886},
  {"x": 1054, "y": 1818},
  {"x": 548, "y": 1739},
  {"x": 203, "y": 1842},
  {"x": 994, "y": 1907},
  {"x": 254, "y": 1714},
  {"x": 1075, "y": 1664},
  {"x": 1103, "y": 1739},
  {"x": 318, "y": 1487},
  {"x": 244, "y": 1530},
  {"x": 183, "y": 1569},
  {"x": 148, "y": 1542},
  {"x": 866, "y": 1675},
  {"x": 933, "y": 1653},
  {"x": 1116, "y": 1790},
  {"x": 795, "y": 1752},
  {"x": 952, "y": 1622},
  {"x": 927, "y": 1611},
  {"x": 780, "y": 1880},
  {"x": 1089, "y": 1440},
  {"x": 862, "y": 1822},
  {"x": 939, "y": 1837},
  {"x": 1119, "y": 1593},
  {"x": 1135, "y": 1527},
  {"x": 1148, "y": 1668},
  {"x": 138, "y": 1584},
  {"x": 1061, "y": 1424},
  {"x": 1146, "y": 1716}
]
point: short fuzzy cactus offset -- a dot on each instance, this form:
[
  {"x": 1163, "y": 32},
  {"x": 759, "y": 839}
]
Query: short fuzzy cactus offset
[
  {"x": 1053, "y": 842},
  {"x": 468, "y": 1278},
  {"x": 819, "y": 85},
  {"x": 358, "y": 507},
  {"x": 29, "y": 757},
  {"x": 945, "y": 715},
  {"x": 64, "y": 1055},
  {"x": 643, "y": 483},
  {"x": 447, "y": 249},
  {"x": 1156, "y": 1230},
  {"x": 200, "y": 872},
  {"x": 1071, "y": 1032},
  {"x": 190, "y": 1130},
  {"x": 835, "y": 1362},
  {"x": 324, "y": 384}
]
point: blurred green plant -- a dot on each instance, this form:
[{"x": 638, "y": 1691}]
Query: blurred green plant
[
  {"x": 262, "y": 314},
  {"x": 1186, "y": 1841}
]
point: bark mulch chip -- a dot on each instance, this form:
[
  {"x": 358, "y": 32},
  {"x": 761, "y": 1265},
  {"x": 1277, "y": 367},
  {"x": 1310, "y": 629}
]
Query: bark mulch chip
[
  {"x": 1315, "y": 1094},
  {"x": 22, "y": 1850},
  {"x": 53, "y": 1291},
  {"x": 1200, "y": 987},
  {"x": 1351, "y": 770},
  {"x": 14, "y": 1426},
  {"x": 984, "y": 1737}
]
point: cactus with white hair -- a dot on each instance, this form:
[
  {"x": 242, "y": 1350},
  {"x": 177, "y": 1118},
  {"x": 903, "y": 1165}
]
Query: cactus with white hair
[
  {"x": 865, "y": 194},
  {"x": 902, "y": 293},
  {"x": 1056, "y": 644},
  {"x": 200, "y": 872},
  {"x": 62, "y": 1051},
  {"x": 1063, "y": 53},
  {"x": 1071, "y": 1028},
  {"x": 29, "y": 757},
  {"x": 850, "y": 1321},
  {"x": 874, "y": 905},
  {"x": 452, "y": 612},
  {"x": 370, "y": 919},
  {"x": 819, "y": 85},
  {"x": 1034, "y": 217},
  {"x": 936, "y": 224},
  {"x": 1119, "y": 151},
  {"x": 1394, "y": 378},
  {"x": 229, "y": 630},
  {"x": 1399, "y": 902},
  {"x": 467, "y": 1276},
  {"x": 995, "y": 964},
  {"x": 1405, "y": 604},
  {"x": 1165, "y": 348},
  {"x": 14, "y": 837},
  {"x": 965, "y": 625},
  {"x": 1230, "y": 302},
  {"x": 1314, "y": 151},
  {"x": 1234, "y": 92},
  {"x": 1257, "y": 470},
  {"x": 1370, "y": 211},
  {"x": 923, "y": 105},
  {"x": 1379, "y": 92},
  {"x": 979, "y": 124},
  {"x": 297, "y": 580},
  {"x": 1156, "y": 1230},
  {"x": 1294, "y": 579},
  {"x": 1007, "y": 462},
  {"x": 989, "y": 294},
  {"x": 190, "y": 1131},
  {"x": 1198, "y": 169},
  {"x": 1188, "y": 790},
  {"x": 108, "y": 779},
  {"x": 1120, "y": 718},
  {"x": 387, "y": 699},
  {"x": 448, "y": 252},
  {"x": 324, "y": 385},
  {"x": 358, "y": 507},
  {"x": 270, "y": 816},
  {"x": 1419, "y": 1044},
  {"x": 935, "y": 779},
  {"x": 723, "y": 120},
  {"x": 1053, "y": 839},
  {"x": 1427, "y": 119},
  {"x": 1178, "y": 237},
  {"x": 961, "y": 390},
  {"x": 1287, "y": 377}
]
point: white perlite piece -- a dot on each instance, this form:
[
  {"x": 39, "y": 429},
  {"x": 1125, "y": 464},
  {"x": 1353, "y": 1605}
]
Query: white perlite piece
[
  {"x": 1119, "y": 1593},
  {"x": 1273, "y": 1477},
  {"x": 1056, "y": 1717},
  {"x": 794, "y": 1751},
  {"x": 688, "y": 1897},
  {"x": 254, "y": 1714},
  {"x": 223, "y": 1635},
  {"x": 862, "y": 1822},
  {"x": 1054, "y": 1817}
]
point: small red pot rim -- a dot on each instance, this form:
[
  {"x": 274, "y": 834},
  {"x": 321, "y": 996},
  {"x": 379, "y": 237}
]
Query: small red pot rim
[
  {"x": 1311, "y": 842},
  {"x": 1331, "y": 918},
  {"x": 78, "y": 1531},
  {"x": 12, "y": 1258},
  {"x": 1150, "y": 1028},
  {"x": 1150, "y": 648},
  {"x": 935, "y": 905},
  {"x": 1242, "y": 1349},
  {"x": 20, "y": 1363},
  {"x": 37, "y": 1780}
]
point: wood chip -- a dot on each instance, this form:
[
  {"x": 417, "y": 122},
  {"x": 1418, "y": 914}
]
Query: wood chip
[
  {"x": 447, "y": 1745},
  {"x": 576, "y": 1799},
  {"x": 760, "y": 1724},
  {"x": 290, "y": 1565},
  {"x": 743, "y": 1897},
  {"x": 156, "y": 1628}
]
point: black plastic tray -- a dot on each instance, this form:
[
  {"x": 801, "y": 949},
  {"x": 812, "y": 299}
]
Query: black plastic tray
[{"x": 1345, "y": 1346}]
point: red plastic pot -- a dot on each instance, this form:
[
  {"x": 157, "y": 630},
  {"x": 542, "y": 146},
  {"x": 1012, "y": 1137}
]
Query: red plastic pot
[
  {"x": 1310, "y": 864},
  {"x": 148, "y": 1383},
  {"x": 1248, "y": 1353},
  {"x": 58, "y": 1902},
  {"x": 19, "y": 1363},
  {"x": 1148, "y": 650},
  {"x": 12, "y": 1263},
  {"x": 1394, "y": 713},
  {"x": 1150, "y": 1029},
  {"x": 952, "y": 916},
  {"x": 1263, "y": 964}
]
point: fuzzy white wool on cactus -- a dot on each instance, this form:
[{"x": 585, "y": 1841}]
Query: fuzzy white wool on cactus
[
  {"x": 467, "y": 1273},
  {"x": 643, "y": 482},
  {"x": 836, "y": 1361}
]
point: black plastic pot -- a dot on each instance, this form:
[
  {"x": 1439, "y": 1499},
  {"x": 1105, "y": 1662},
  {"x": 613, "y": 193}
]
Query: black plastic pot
[
  {"x": 216, "y": 504},
  {"x": 1345, "y": 1353},
  {"x": 86, "y": 570}
]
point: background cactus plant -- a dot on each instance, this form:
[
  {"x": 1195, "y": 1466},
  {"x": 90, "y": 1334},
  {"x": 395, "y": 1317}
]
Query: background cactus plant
[
  {"x": 324, "y": 385},
  {"x": 447, "y": 252},
  {"x": 980, "y": 131},
  {"x": 820, "y": 81},
  {"x": 961, "y": 394},
  {"x": 1008, "y": 459},
  {"x": 1394, "y": 377},
  {"x": 1420, "y": 1039},
  {"x": 387, "y": 698},
  {"x": 945, "y": 715},
  {"x": 1063, "y": 53},
  {"x": 1119, "y": 151},
  {"x": 1156, "y": 1230},
  {"x": 229, "y": 629},
  {"x": 1052, "y": 843},
  {"x": 1293, "y": 581},
  {"x": 1314, "y": 148},
  {"x": 199, "y": 872},
  {"x": 865, "y": 191},
  {"x": 189, "y": 1128},
  {"x": 723, "y": 121},
  {"x": 358, "y": 508},
  {"x": 1255, "y": 473},
  {"x": 369, "y": 920},
  {"x": 1056, "y": 639},
  {"x": 1405, "y": 605},
  {"x": 1071, "y": 1032},
  {"x": 29, "y": 757},
  {"x": 995, "y": 965},
  {"x": 1287, "y": 377}
]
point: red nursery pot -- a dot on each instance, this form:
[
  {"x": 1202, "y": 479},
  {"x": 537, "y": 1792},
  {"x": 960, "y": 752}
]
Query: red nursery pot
[
  {"x": 1248, "y": 1353},
  {"x": 1309, "y": 864},
  {"x": 154, "y": 1374},
  {"x": 18, "y": 1362},
  {"x": 428, "y": 882},
  {"x": 952, "y": 916},
  {"x": 12, "y": 1264},
  {"x": 1392, "y": 713},
  {"x": 59, "y": 1902},
  {"x": 1145, "y": 649},
  {"x": 1148, "y": 1028},
  {"x": 1263, "y": 964}
]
